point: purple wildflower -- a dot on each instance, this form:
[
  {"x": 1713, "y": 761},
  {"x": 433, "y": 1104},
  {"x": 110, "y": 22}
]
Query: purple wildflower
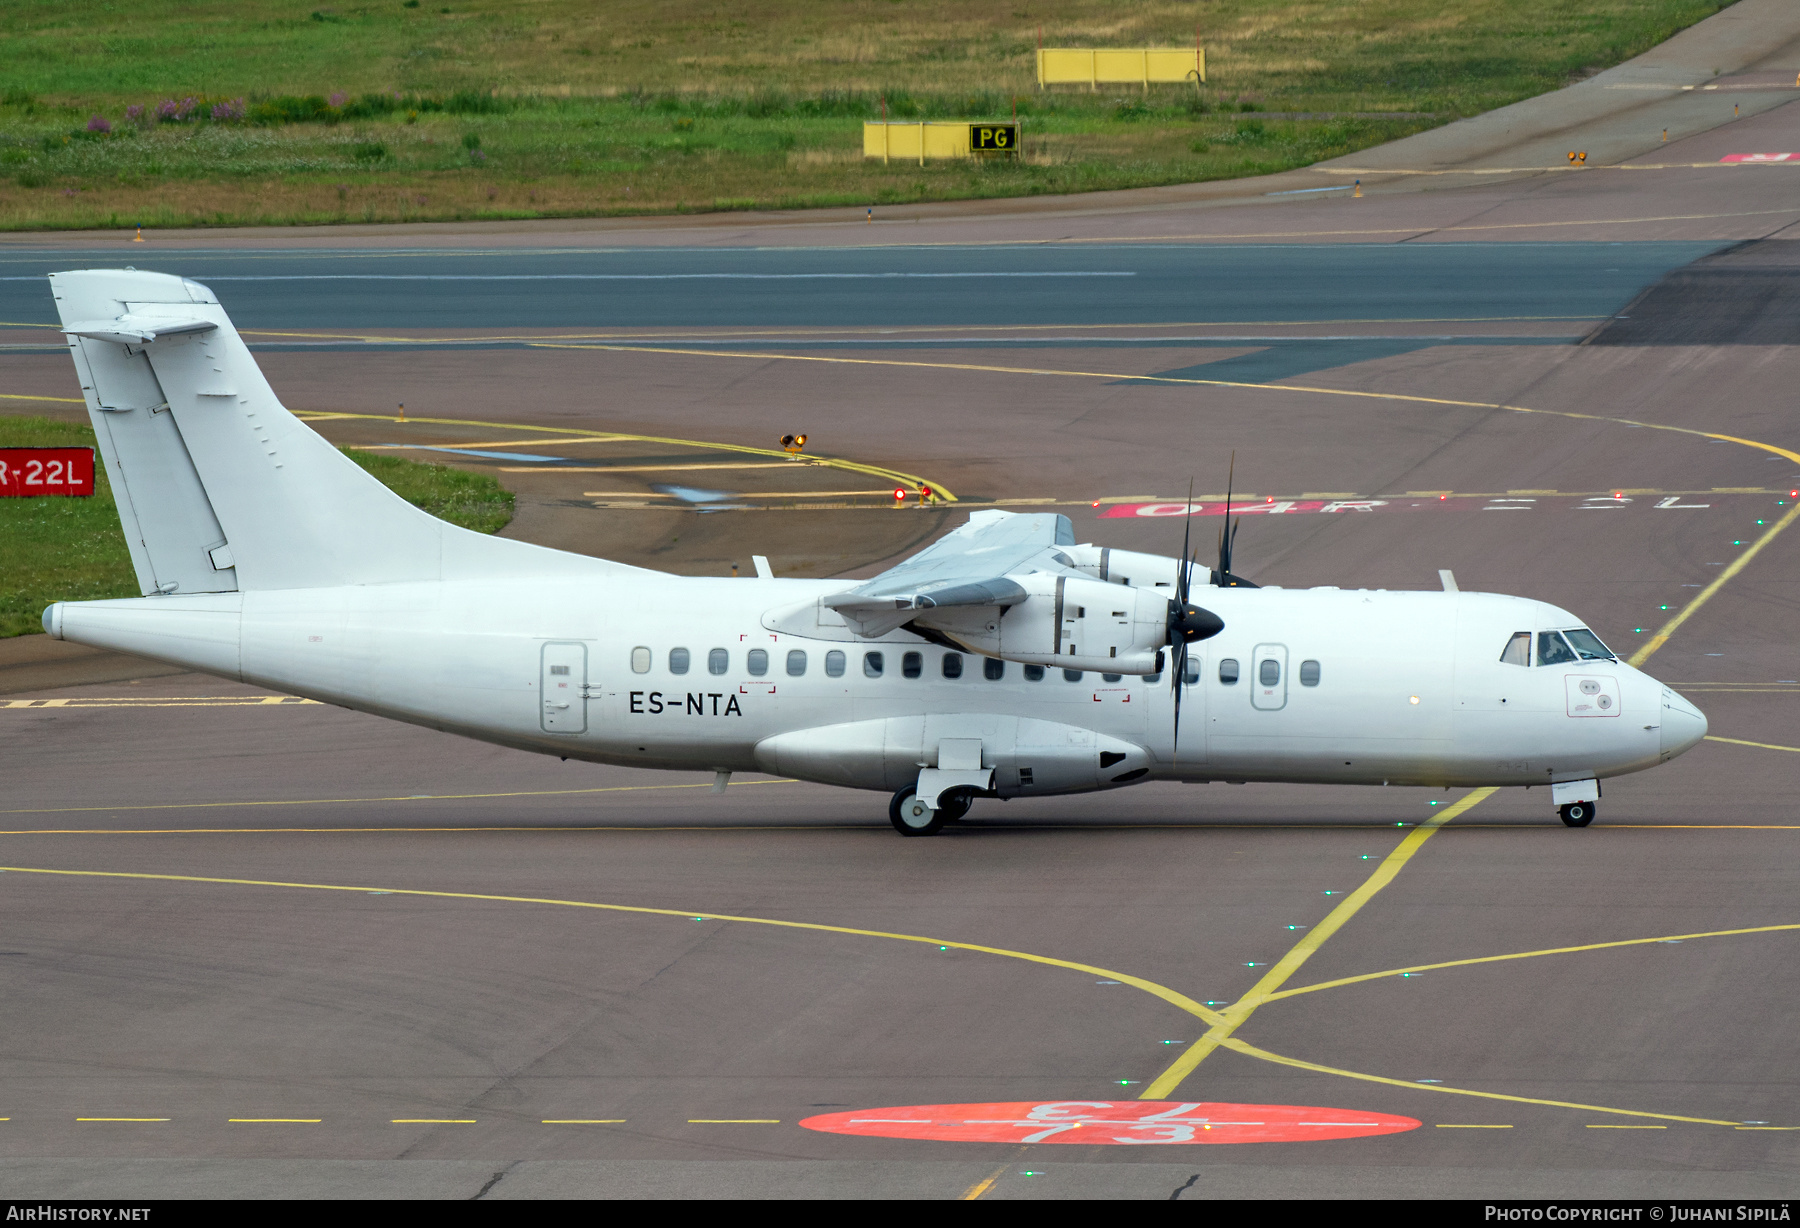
[
  {"x": 338, "y": 99},
  {"x": 225, "y": 111},
  {"x": 100, "y": 124},
  {"x": 135, "y": 112},
  {"x": 167, "y": 109}
]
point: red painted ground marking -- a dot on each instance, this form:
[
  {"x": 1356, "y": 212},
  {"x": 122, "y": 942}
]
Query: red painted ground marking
[
  {"x": 1410, "y": 503},
  {"x": 1778, "y": 157},
  {"x": 1103, "y": 1122}
]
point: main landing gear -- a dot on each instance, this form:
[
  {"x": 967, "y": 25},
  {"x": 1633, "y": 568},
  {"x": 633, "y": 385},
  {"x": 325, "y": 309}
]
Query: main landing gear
[
  {"x": 912, "y": 817},
  {"x": 1577, "y": 814}
]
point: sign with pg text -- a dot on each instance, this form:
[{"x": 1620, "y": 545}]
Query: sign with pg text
[
  {"x": 26, "y": 473},
  {"x": 994, "y": 138}
]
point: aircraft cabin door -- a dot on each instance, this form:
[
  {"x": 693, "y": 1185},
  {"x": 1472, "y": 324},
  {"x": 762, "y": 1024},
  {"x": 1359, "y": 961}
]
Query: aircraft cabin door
[
  {"x": 1268, "y": 677},
  {"x": 563, "y": 687}
]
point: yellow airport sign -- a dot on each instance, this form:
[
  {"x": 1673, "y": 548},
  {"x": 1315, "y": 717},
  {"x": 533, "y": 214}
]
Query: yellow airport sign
[
  {"x": 1097, "y": 66},
  {"x": 920, "y": 140}
]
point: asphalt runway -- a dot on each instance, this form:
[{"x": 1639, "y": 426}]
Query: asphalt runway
[{"x": 275, "y": 948}]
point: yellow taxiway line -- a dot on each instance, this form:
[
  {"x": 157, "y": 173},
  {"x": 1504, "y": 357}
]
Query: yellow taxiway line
[{"x": 1239, "y": 1011}]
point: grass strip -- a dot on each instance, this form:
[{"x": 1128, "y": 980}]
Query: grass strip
[{"x": 259, "y": 111}]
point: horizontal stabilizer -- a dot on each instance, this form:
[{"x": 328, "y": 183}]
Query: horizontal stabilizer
[{"x": 137, "y": 330}]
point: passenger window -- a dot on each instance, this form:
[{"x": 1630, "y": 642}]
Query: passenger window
[
  {"x": 953, "y": 665},
  {"x": 1034, "y": 673},
  {"x": 796, "y": 662},
  {"x": 834, "y": 664},
  {"x": 1153, "y": 679},
  {"x": 1588, "y": 645},
  {"x": 1269, "y": 672},
  {"x": 993, "y": 669},
  {"x": 1552, "y": 650},
  {"x": 912, "y": 665},
  {"x": 757, "y": 662},
  {"x": 1112, "y": 677},
  {"x": 1228, "y": 672},
  {"x": 1309, "y": 673},
  {"x": 1192, "y": 674},
  {"x": 1517, "y": 650},
  {"x": 718, "y": 661},
  {"x": 1071, "y": 675},
  {"x": 640, "y": 660},
  {"x": 678, "y": 660},
  {"x": 872, "y": 664}
]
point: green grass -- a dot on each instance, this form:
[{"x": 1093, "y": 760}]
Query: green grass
[
  {"x": 63, "y": 549},
  {"x": 472, "y": 500},
  {"x": 502, "y": 108}
]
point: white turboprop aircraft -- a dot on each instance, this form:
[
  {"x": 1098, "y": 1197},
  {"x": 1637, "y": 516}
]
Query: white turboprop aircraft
[{"x": 1003, "y": 661}]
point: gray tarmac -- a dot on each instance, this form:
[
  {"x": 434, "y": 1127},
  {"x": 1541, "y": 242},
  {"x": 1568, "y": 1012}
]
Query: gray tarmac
[{"x": 407, "y": 966}]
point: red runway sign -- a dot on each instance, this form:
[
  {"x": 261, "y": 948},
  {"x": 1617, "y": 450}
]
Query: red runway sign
[
  {"x": 26, "y": 473},
  {"x": 1111, "y": 1123}
]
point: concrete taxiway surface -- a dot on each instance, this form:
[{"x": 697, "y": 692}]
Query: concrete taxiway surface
[{"x": 261, "y": 946}]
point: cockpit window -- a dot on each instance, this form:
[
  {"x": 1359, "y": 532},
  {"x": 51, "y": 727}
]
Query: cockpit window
[
  {"x": 1587, "y": 645},
  {"x": 1518, "y": 649},
  {"x": 1552, "y": 650}
]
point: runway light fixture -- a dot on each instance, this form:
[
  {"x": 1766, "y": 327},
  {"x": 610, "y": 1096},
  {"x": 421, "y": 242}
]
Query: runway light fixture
[{"x": 899, "y": 495}]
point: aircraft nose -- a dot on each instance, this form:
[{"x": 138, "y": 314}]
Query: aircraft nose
[{"x": 1683, "y": 725}]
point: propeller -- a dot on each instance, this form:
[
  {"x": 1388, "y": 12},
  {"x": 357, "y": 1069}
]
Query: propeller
[
  {"x": 1187, "y": 621},
  {"x": 1228, "y": 531}
]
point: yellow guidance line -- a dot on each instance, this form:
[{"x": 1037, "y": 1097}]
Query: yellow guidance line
[
  {"x": 584, "y": 1121},
  {"x": 1706, "y": 594},
  {"x": 1447, "y": 1125},
  {"x": 1759, "y": 745},
  {"x": 1248, "y": 1050},
  {"x": 984, "y": 1185},
  {"x": 121, "y": 1119},
  {"x": 734, "y": 1121},
  {"x": 1496, "y": 959},
  {"x": 1178, "y": 1000},
  {"x": 890, "y": 475},
  {"x": 432, "y": 1121},
  {"x": 275, "y": 1121},
  {"x": 1238, "y": 1012}
]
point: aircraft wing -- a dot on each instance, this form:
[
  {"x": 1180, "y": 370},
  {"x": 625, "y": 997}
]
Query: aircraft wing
[{"x": 970, "y": 566}]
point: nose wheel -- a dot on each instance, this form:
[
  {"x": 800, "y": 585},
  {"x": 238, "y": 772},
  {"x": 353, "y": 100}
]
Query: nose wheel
[{"x": 1577, "y": 814}]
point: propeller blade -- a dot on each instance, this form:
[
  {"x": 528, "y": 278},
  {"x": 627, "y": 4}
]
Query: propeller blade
[
  {"x": 1176, "y": 676},
  {"x": 1184, "y": 572},
  {"x": 1223, "y": 575}
]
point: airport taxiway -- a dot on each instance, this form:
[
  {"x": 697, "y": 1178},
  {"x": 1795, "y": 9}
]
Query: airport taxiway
[{"x": 278, "y": 948}]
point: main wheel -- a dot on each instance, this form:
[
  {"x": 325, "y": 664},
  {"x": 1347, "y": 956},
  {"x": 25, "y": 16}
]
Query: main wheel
[
  {"x": 953, "y": 806},
  {"x": 1577, "y": 814},
  {"x": 912, "y": 817}
]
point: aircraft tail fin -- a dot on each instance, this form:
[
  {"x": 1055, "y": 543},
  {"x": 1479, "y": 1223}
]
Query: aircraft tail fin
[{"x": 221, "y": 488}]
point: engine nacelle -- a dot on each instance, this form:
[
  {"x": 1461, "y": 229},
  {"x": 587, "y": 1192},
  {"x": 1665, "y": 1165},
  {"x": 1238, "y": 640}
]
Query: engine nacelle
[
  {"x": 1123, "y": 566},
  {"x": 1066, "y": 621}
]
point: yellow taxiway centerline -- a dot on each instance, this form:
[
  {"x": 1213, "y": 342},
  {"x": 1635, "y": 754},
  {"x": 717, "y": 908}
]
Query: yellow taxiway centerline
[
  {"x": 1496, "y": 959},
  {"x": 1178, "y": 1000},
  {"x": 1239, "y": 1011}
]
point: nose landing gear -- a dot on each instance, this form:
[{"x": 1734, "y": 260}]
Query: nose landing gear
[{"x": 1577, "y": 814}]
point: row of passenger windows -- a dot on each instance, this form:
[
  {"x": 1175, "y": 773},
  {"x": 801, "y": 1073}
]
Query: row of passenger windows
[
  {"x": 1556, "y": 647},
  {"x": 874, "y": 664},
  {"x": 912, "y": 665}
]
